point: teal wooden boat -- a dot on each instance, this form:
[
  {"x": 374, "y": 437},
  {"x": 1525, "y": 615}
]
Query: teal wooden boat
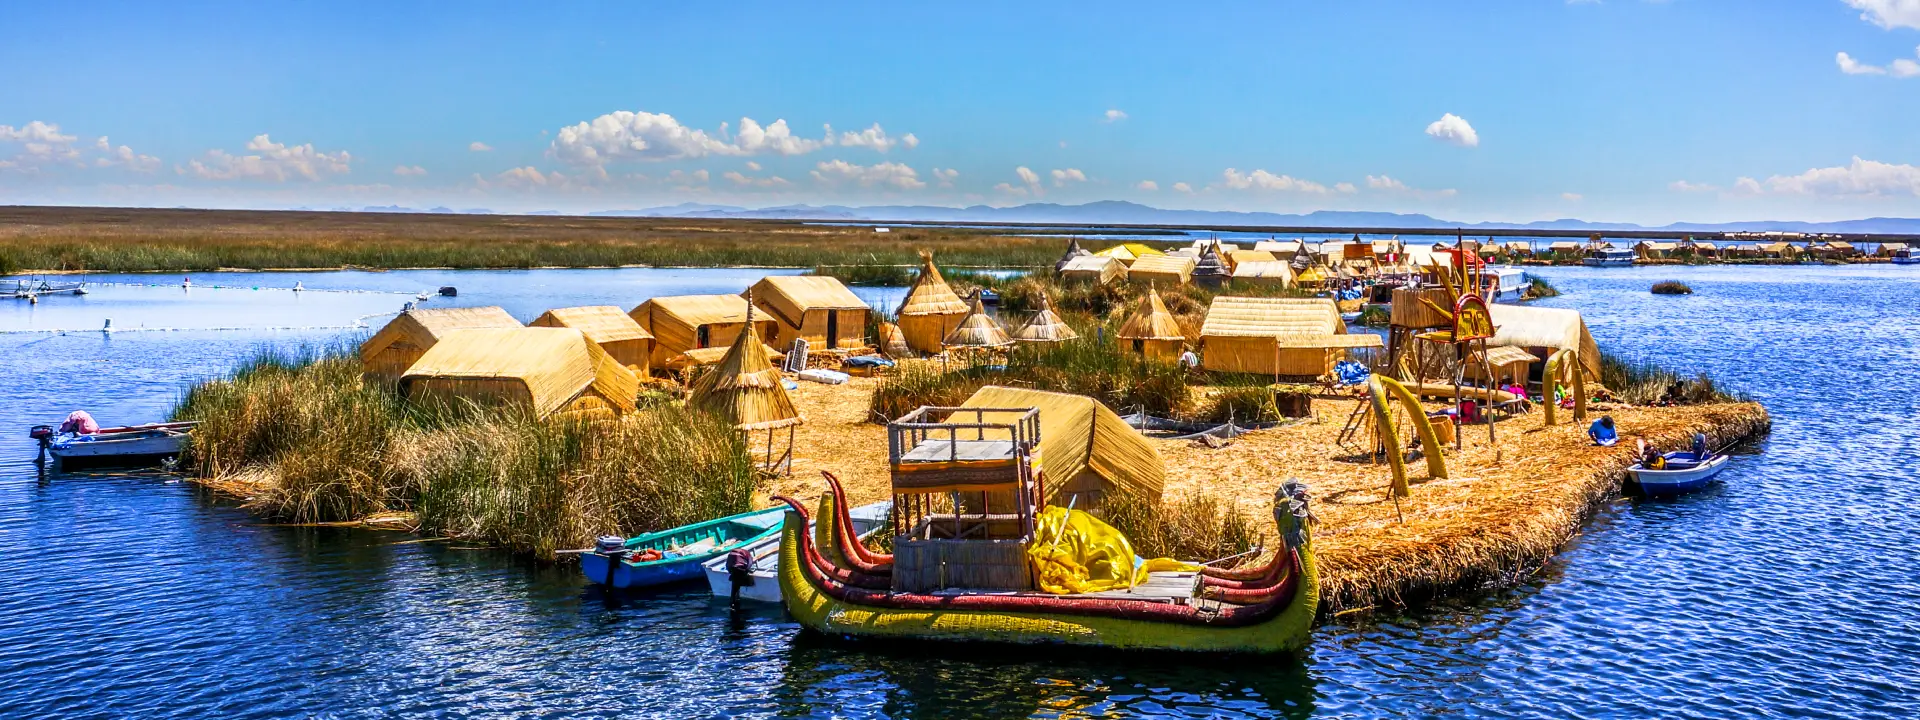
[{"x": 675, "y": 555}]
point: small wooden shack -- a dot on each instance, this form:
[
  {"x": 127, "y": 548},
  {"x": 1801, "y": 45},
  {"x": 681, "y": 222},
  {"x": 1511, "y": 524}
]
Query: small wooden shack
[
  {"x": 398, "y": 345},
  {"x": 691, "y": 322},
  {"x": 1093, "y": 269},
  {"x": 614, "y": 330},
  {"x": 1152, "y": 330},
  {"x": 1162, "y": 270},
  {"x": 816, "y": 308},
  {"x": 546, "y": 371},
  {"x": 1088, "y": 452},
  {"x": 931, "y": 310},
  {"x": 1277, "y": 336}
]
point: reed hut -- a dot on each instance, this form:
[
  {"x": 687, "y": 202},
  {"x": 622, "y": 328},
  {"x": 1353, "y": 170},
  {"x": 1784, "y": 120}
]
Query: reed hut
[
  {"x": 1889, "y": 249},
  {"x": 815, "y": 308},
  {"x": 1152, "y": 330},
  {"x": 1235, "y": 257},
  {"x": 1270, "y": 273},
  {"x": 547, "y": 371},
  {"x": 692, "y": 322},
  {"x": 977, "y": 333},
  {"x": 397, "y": 346},
  {"x": 930, "y": 311},
  {"x": 1045, "y": 326},
  {"x": 614, "y": 331},
  {"x": 1277, "y": 336},
  {"x": 1209, "y": 270},
  {"x": 1506, "y": 362},
  {"x": 1093, "y": 269},
  {"x": 1170, "y": 270},
  {"x": 745, "y": 391},
  {"x": 1073, "y": 252},
  {"x": 1540, "y": 331},
  {"x": 1281, "y": 249},
  {"x": 893, "y": 343},
  {"x": 1127, "y": 253},
  {"x": 1089, "y": 453}
]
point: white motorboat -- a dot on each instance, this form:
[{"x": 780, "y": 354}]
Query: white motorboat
[
  {"x": 765, "y": 586},
  {"x": 129, "y": 446}
]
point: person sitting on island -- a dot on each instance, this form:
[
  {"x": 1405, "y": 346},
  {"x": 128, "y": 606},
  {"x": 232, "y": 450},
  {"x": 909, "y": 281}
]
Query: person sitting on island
[
  {"x": 1189, "y": 361},
  {"x": 1602, "y": 432}
]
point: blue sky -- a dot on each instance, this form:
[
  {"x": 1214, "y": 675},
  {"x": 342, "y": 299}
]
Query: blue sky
[{"x": 1623, "y": 110}]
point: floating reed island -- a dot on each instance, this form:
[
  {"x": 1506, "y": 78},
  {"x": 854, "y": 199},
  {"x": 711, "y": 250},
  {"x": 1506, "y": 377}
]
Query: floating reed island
[{"x": 460, "y": 423}]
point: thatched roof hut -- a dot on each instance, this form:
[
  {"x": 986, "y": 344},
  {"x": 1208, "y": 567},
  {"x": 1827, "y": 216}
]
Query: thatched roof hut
[
  {"x": 894, "y": 343},
  {"x": 1127, "y": 253},
  {"x": 931, "y": 310},
  {"x": 1152, "y": 330},
  {"x": 1045, "y": 326},
  {"x": 816, "y": 308},
  {"x": 1089, "y": 452},
  {"x": 1073, "y": 251},
  {"x": 703, "y": 357},
  {"x": 613, "y": 330},
  {"x": 690, "y": 322},
  {"x": 1210, "y": 270},
  {"x": 1541, "y": 330},
  {"x": 1277, "y": 336},
  {"x": 1235, "y": 257},
  {"x": 1169, "y": 270},
  {"x": 1264, "y": 272},
  {"x": 388, "y": 354},
  {"x": 1095, "y": 269},
  {"x": 545, "y": 370},
  {"x": 978, "y": 331},
  {"x": 744, "y": 389}
]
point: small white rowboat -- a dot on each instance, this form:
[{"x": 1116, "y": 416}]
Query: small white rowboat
[{"x": 1684, "y": 472}]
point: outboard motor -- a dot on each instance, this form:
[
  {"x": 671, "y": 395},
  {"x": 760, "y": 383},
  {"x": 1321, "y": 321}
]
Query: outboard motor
[
  {"x": 609, "y": 545},
  {"x": 43, "y": 434},
  {"x": 1700, "y": 447},
  {"x": 739, "y": 571}
]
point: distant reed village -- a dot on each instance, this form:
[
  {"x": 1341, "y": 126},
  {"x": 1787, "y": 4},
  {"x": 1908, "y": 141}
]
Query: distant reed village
[{"x": 1208, "y": 449}]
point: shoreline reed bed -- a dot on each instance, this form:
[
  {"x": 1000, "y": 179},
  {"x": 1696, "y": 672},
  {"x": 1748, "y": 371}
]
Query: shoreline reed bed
[{"x": 303, "y": 439}]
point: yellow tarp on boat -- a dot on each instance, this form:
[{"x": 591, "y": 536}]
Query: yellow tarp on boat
[{"x": 1074, "y": 552}]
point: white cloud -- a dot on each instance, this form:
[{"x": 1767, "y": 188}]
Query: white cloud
[
  {"x": 41, "y": 143},
  {"x": 754, "y": 166},
  {"x": 1684, "y": 186},
  {"x": 1181, "y": 187},
  {"x": 1389, "y": 184},
  {"x": 1113, "y": 116},
  {"x": 35, "y": 131},
  {"x": 1069, "y": 175},
  {"x": 1572, "y": 197},
  {"x": 1889, "y": 14},
  {"x": 1233, "y": 179},
  {"x": 409, "y": 170},
  {"x": 1862, "y": 178},
  {"x": 1147, "y": 185},
  {"x": 1851, "y": 66},
  {"x": 477, "y": 146},
  {"x": 1453, "y": 130},
  {"x": 645, "y": 136},
  {"x": 271, "y": 161},
  {"x": 123, "y": 156},
  {"x": 1904, "y": 68},
  {"x": 1382, "y": 182},
  {"x": 1010, "y": 190},
  {"x": 945, "y": 176},
  {"x": 1747, "y": 186},
  {"x": 876, "y": 138},
  {"x": 1345, "y": 187},
  {"x": 886, "y": 174},
  {"x": 746, "y": 181}
]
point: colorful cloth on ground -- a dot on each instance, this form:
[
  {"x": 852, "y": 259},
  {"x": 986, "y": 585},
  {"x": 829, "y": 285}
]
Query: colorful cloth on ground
[{"x": 1074, "y": 552}]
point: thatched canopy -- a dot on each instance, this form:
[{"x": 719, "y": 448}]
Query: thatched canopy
[
  {"x": 1086, "y": 449},
  {"x": 1151, "y": 321},
  {"x": 611, "y": 328},
  {"x": 1525, "y": 326},
  {"x": 978, "y": 330},
  {"x": 1128, "y": 252},
  {"x": 745, "y": 389},
  {"x": 1162, "y": 269},
  {"x": 404, "y": 339},
  {"x": 1210, "y": 265},
  {"x": 547, "y": 369},
  {"x": 1272, "y": 317},
  {"x": 1097, "y": 269},
  {"x": 1282, "y": 249},
  {"x": 1045, "y": 326},
  {"x": 1235, "y": 257}
]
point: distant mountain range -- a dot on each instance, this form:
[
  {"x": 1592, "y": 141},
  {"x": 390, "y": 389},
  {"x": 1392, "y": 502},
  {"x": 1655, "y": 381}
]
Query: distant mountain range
[{"x": 1117, "y": 212}]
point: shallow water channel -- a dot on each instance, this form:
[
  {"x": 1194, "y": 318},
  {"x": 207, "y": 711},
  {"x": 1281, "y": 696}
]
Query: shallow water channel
[{"x": 1790, "y": 590}]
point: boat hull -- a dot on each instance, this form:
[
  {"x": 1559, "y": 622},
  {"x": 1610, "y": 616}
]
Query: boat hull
[
  {"x": 630, "y": 575},
  {"x": 1906, "y": 260},
  {"x": 1286, "y": 631},
  {"x": 144, "y": 448},
  {"x": 1675, "y": 482},
  {"x": 766, "y": 558},
  {"x": 727, "y": 533}
]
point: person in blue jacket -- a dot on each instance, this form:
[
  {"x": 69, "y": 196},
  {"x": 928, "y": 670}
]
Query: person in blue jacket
[{"x": 1602, "y": 431}]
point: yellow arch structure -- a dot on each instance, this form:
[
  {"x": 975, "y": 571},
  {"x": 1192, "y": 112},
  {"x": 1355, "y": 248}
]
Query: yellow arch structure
[
  {"x": 1379, "y": 388},
  {"x": 1560, "y": 365}
]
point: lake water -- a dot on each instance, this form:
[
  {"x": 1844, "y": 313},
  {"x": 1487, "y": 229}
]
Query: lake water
[{"x": 1789, "y": 590}]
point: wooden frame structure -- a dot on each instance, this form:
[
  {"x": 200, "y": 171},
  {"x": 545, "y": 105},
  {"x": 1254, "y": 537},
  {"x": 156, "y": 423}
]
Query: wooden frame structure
[{"x": 952, "y": 467}]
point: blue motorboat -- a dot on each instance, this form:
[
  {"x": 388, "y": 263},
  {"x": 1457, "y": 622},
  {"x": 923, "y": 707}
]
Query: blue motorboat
[{"x": 675, "y": 555}]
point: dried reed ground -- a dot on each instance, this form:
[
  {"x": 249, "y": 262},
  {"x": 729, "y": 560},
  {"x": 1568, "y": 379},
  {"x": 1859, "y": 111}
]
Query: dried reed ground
[{"x": 1506, "y": 510}]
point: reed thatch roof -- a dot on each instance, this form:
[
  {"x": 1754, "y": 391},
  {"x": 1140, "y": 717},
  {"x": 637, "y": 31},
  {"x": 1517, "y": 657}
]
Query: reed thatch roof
[
  {"x": 1272, "y": 317},
  {"x": 789, "y": 297},
  {"x": 1278, "y": 247},
  {"x": 1073, "y": 251},
  {"x": 600, "y": 323},
  {"x": 547, "y": 368},
  {"x": 1045, "y": 326},
  {"x": 1264, "y": 270},
  {"x": 700, "y": 357},
  {"x": 930, "y": 294},
  {"x": 745, "y": 389},
  {"x": 1095, "y": 267},
  {"x": 1505, "y": 355},
  {"x": 1236, "y": 257},
  {"x": 1086, "y": 448},
  {"x": 1128, "y": 252},
  {"x": 423, "y": 327},
  {"x": 893, "y": 342},
  {"x": 1151, "y": 321},
  {"x": 1556, "y": 328},
  {"x": 1162, "y": 268},
  {"x": 697, "y": 310},
  {"x": 978, "y": 330}
]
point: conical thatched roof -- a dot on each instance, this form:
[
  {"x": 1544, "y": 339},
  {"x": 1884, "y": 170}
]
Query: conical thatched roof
[
  {"x": 1073, "y": 251},
  {"x": 979, "y": 330},
  {"x": 1045, "y": 326},
  {"x": 930, "y": 294},
  {"x": 893, "y": 342},
  {"x": 745, "y": 388},
  {"x": 1209, "y": 264},
  {"x": 1152, "y": 321}
]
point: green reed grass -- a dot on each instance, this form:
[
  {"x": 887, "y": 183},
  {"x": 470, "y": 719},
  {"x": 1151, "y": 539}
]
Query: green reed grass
[{"x": 1641, "y": 382}]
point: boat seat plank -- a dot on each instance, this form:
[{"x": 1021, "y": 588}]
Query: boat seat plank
[{"x": 943, "y": 450}]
